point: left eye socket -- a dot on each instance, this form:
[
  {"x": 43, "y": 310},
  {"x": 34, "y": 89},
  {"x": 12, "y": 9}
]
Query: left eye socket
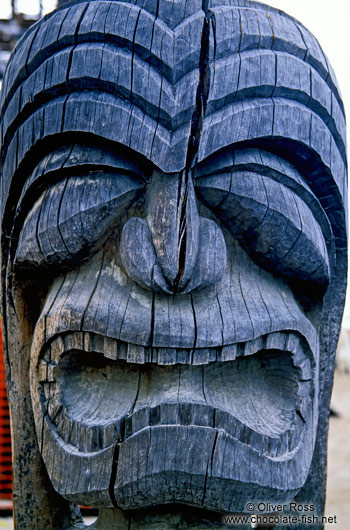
[
  {"x": 273, "y": 224},
  {"x": 72, "y": 216}
]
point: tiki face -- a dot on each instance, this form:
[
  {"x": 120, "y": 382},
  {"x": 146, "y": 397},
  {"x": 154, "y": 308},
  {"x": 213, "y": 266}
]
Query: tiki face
[
  {"x": 145, "y": 341},
  {"x": 174, "y": 213}
]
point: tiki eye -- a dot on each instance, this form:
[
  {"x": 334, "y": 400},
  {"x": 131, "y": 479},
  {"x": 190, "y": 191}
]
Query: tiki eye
[
  {"x": 72, "y": 216},
  {"x": 271, "y": 221}
]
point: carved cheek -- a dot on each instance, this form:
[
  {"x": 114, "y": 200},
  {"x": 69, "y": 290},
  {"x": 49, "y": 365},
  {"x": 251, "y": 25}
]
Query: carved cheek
[{"x": 246, "y": 303}]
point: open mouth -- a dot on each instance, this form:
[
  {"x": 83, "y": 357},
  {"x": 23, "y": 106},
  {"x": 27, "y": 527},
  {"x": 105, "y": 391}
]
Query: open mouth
[{"x": 260, "y": 392}]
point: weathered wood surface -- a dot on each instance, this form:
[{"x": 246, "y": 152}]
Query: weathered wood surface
[{"x": 173, "y": 196}]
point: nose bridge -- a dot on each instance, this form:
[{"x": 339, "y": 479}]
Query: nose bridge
[{"x": 173, "y": 220}]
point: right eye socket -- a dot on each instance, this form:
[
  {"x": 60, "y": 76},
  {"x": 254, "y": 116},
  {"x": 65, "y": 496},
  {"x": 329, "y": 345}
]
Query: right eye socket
[
  {"x": 72, "y": 216},
  {"x": 271, "y": 221}
]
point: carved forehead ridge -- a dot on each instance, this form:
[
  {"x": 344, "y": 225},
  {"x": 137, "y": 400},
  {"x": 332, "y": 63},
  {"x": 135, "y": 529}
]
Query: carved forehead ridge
[{"x": 178, "y": 81}]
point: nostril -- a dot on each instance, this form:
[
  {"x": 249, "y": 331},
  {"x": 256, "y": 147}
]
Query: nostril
[
  {"x": 173, "y": 250},
  {"x": 138, "y": 256},
  {"x": 211, "y": 259},
  {"x": 141, "y": 264}
]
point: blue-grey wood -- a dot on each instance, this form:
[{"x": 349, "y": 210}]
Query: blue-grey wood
[{"x": 173, "y": 202}]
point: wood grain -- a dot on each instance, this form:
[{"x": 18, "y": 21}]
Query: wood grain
[{"x": 173, "y": 203}]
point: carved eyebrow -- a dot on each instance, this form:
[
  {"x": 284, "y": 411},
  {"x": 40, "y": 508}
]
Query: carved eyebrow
[
  {"x": 72, "y": 216},
  {"x": 266, "y": 164},
  {"x": 272, "y": 223},
  {"x": 249, "y": 158},
  {"x": 257, "y": 160},
  {"x": 77, "y": 158}
]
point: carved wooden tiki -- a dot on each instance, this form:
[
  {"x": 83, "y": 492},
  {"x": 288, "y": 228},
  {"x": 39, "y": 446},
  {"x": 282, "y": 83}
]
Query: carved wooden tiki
[{"x": 173, "y": 261}]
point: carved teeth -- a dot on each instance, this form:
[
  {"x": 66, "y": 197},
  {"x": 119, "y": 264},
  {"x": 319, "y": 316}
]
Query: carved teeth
[
  {"x": 254, "y": 346},
  {"x": 229, "y": 353},
  {"x": 133, "y": 353},
  {"x": 205, "y": 355},
  {"x": 195, "y": 385}
]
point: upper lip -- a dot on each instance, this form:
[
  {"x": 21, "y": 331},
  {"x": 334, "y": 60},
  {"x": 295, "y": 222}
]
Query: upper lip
[{"x": 304, "y": 357}]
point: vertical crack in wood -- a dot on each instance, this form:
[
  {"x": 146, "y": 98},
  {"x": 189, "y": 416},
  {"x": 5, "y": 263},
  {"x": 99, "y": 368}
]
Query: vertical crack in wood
[
  {"x": 133, "y": 56},
  {"x": 61, "y": 200},
  {"x": 28, "y": 55},
  {"x": 115, "y": 468},
  {"x": 193, "y": 144},
  {"x": 195, "y": 330},
  {"x": 209, "y": 467},
  {"x": 37, "y": 222},
  {"x": 151, "y": 335},
  {"x": 259, "y": 29},
  {"x": 161, "y": 85},
  {"x": 203, "y": 386},
  {"x": 131, "y": 410},
  {"x": 92, "y": 293},
  {"x": 45, "y": 415},
  {"x": 272, "y": 31},
  {"x": 222, "y": 320},
  {"x": 70, "y": 59},
  {"x": 182, "y": 237},
  {"x": 213, "y": 27},
  {"x": 303, "y": 39},
  {"x": 117, "y": 448}
]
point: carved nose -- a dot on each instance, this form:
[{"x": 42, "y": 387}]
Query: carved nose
[{"x": 173, "y": 250}]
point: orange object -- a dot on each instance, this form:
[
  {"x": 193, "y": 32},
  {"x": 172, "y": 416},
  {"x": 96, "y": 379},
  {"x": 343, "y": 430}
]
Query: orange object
[{"x": 5, "y": 434}]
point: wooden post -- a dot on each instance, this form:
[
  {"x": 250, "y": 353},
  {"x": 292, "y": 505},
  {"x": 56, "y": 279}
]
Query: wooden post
[
  {"x": 173, "y": 263},
  {"x": 13, "y": 8}
]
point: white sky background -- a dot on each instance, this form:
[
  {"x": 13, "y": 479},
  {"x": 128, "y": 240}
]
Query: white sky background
[
  {"x": 31, "y": 7},
  {"x": 328, "y": 20}
]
